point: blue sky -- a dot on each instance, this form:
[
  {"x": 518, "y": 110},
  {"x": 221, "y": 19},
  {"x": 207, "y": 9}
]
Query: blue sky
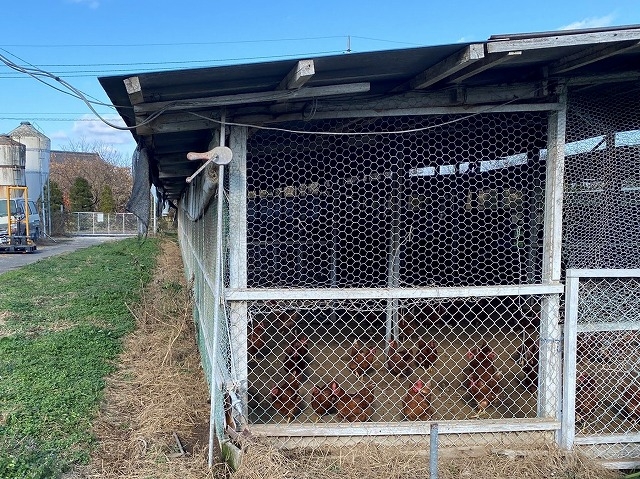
[{"x": 80, "y": 40}]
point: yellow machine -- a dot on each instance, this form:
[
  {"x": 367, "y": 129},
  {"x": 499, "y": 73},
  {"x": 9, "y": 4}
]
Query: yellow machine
[{"x": 15, "y": 238}]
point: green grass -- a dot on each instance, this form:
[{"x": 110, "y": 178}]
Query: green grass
[{"x": 61, "y": 325}]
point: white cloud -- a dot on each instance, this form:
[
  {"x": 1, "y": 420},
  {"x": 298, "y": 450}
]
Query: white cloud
[
  {"x": 91, "y": 131},
  {"x": 592, "y": 22},
  {"x": 90, "y": 3}
]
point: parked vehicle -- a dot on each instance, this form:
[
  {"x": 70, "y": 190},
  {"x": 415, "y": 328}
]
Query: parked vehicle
[{"x": 18, "y": 218}]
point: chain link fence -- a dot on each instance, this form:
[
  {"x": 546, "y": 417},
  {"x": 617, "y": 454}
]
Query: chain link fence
[{"x": 92, "y": 223}]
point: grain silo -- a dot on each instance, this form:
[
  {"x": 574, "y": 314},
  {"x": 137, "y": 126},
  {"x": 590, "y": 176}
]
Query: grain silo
[
  {"x": 38, "y": 152},
  {"x": 12, "y": 165}
]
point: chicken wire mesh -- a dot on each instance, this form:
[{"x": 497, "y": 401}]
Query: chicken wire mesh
[
  {"x": 602, "y": 231},
  {"x": 602, "y": 180},
  {"x": 452, "y": 201},
  {"x": 199, "y": 240}
]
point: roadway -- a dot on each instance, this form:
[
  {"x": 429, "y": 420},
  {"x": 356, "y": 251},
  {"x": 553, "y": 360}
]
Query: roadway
[{"x": 50, "y": 247}]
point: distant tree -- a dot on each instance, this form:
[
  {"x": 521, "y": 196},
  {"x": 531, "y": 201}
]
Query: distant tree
[
  {"x": 107, "y": 203},
  {"x": 100, "y": 164},
  {"x": 80, "y": 195},
  {"x": 55, "y": 194}
]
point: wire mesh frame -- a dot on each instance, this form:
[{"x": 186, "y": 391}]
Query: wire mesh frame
[
  {"x": 601, "y": 400},
  {"x": 198, "y": 241},
  {"x": 277, "y": 197}
]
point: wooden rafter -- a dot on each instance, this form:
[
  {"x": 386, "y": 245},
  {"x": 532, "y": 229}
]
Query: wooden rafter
[
  {"x": 485, "y": 63},
  {"x": 447, "y": 67},
  {"x": 258, "y": 97},
  {"x": 298, "y": 76},
  {"x": 587, "y": 56}
]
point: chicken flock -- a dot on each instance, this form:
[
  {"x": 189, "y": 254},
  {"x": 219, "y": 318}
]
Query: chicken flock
[{"x": 482, "y": 380}]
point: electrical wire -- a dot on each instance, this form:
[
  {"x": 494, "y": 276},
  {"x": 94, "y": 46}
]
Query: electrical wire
[
  {"x": 223, "y": 42},
  {"x": 36, "y": 73},
  {"x": 360, "y": 133}
]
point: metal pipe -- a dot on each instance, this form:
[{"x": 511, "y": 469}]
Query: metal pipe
[{"x": 433, "y": 451}]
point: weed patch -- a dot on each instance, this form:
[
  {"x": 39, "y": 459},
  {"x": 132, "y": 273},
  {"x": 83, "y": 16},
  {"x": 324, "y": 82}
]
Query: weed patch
[{"x": 61, "y": 335}]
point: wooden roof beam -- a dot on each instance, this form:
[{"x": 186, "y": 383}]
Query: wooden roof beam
[
  {"x": 447, "y": 67},
  {"x": 589, "y": 55},
  {"x": 561, "y": 39},
  {"x": 259, "y": 97},
  {"x": 485, "y": 63},
  {"x": 298, "y": 76}
]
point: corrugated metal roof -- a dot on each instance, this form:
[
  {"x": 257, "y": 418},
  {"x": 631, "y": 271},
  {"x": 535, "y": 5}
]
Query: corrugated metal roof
[{"x": 444, "y": 75}]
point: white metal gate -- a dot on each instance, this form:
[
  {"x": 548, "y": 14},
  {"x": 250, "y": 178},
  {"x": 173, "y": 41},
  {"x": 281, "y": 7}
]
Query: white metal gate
[{"x": 601, "y": 404}]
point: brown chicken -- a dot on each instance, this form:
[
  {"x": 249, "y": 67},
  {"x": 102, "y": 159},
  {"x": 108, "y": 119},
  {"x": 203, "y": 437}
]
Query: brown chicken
[
  {"x": 586, "y": 397},
  {"x": 323, "y": 401},
  {"x": 528, "y": 357},
  {"x": 296, "y": 357},
  {"x": 417, "y": 402},
  {"x": 630, "y": 397},
  {"x": 354, "y": 407},
  {"x": 286, "y": 399},
  {"x": 399, "y": 360},
  {"x": 256, "y": 339},
  {"x": 427, "y": 353},
  {"x": 362, "y": 358},
  {"x": 483, "y": 379}
]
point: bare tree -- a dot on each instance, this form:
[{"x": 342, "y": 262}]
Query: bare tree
[{"x": 100, "y": 164}]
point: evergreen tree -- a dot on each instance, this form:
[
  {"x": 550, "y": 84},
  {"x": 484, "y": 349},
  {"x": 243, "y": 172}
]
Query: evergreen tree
[
  {"x": 56, "y": 198},
  {"x": 80, "y": 195},
  {"x": 107, "y": 202}
]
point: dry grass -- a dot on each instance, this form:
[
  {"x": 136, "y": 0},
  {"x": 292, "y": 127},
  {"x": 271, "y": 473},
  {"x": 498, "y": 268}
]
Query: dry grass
[{"x": 160, "y": 390}]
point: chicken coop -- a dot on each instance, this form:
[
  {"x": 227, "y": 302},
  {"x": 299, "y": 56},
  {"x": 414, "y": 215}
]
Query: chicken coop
[{"x": 380, "y": 241}]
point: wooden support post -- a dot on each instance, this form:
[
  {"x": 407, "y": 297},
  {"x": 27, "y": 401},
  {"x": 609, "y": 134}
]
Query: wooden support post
[
  {"x": 238, "y": 256},
  {"x": 549, "y": 391}
]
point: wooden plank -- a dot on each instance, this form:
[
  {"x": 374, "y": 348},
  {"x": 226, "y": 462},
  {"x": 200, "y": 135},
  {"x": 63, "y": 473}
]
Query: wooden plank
[
  {"x": 239, "y": 294},
  {"x": 607, "y": 439},
  {"x": 421, "y": 428},
  {"x": 620, "y": 464},
  {"x": 298, "y": 76},
  {"x": 134, "y": 90},
  {"x": 568, "y": 430},
  {"x": 588, "y": 56},
  {"x": 562, "y": 40},
  {"x": 618, "y": 326},
  {"x": 485, "y": 63},
  {"x": 470, "y": 54},
  {"x": 260, "y": 97},
  {"x": 237, "y": 244},
  {"x": 550, "y": 377},
  {"x": 603, "y": 273}
]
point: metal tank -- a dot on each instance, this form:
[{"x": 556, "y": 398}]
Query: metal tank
[
  {"x": 37, "y": 160},
  {"x": 12, "y": 164}
]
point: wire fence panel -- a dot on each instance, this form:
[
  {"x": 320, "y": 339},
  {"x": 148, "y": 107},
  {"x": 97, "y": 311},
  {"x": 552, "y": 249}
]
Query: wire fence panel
[
  {"x": 600, "y": 240},
  {"x": 606, "y": 349},
  {"x": 455, "y": 201},
  {"x": 464, "y": 358},
  {"x": 399, "y": 202},
  {"x": 602, "y": 181},
  {"x": 95, "y": 223}
]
